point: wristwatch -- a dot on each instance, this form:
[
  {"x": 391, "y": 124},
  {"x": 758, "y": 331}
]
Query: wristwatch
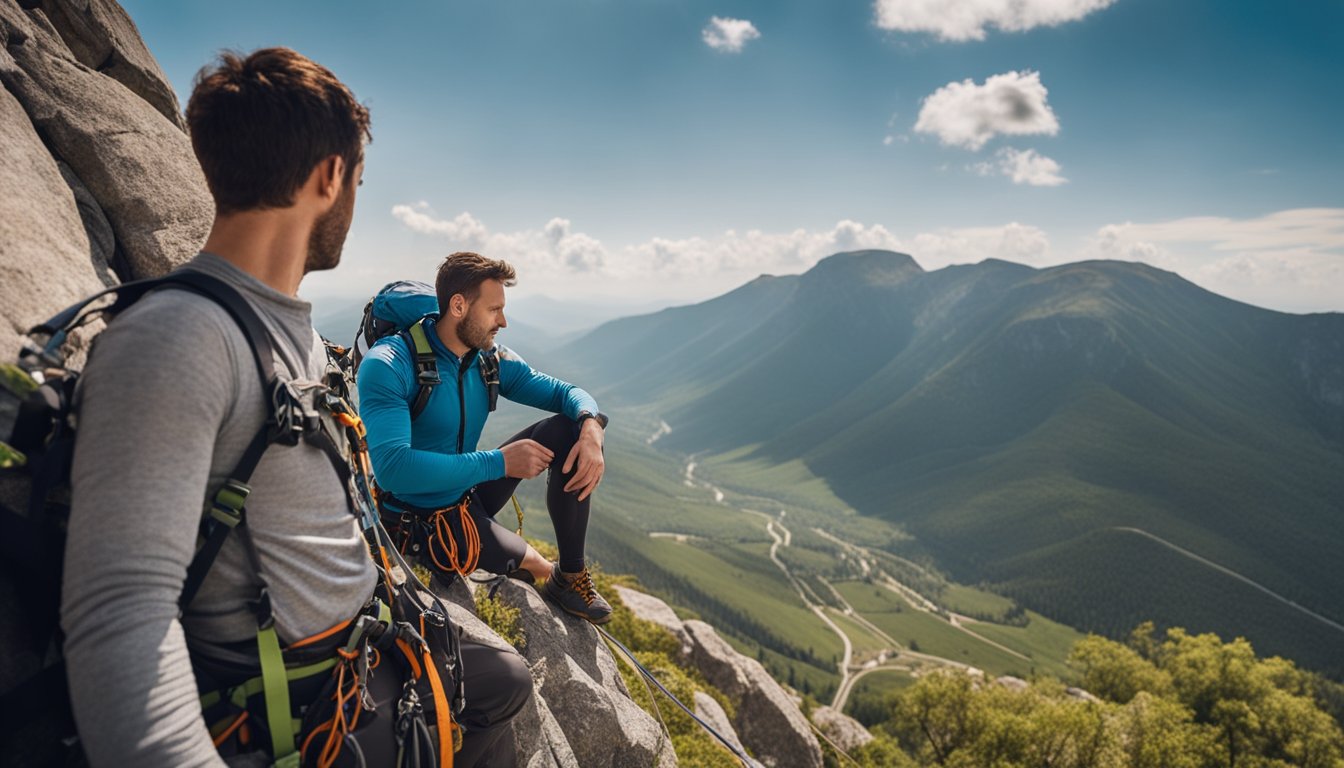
[{"x": 600, "y": 416}]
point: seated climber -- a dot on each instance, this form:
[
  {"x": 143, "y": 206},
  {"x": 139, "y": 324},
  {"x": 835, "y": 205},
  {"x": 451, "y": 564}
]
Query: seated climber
[
  {"x": 435, "y": 486},
  {"x": 172, "y": 665}
]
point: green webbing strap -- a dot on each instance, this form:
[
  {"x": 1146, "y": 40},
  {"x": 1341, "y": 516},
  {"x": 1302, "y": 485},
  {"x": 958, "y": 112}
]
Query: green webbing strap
[
  {"x": 426, "y": 367},
  {"x": 239, "y": 694},
  {"x": 275, "y": 683},
  {"x": 422, "y": 347}
]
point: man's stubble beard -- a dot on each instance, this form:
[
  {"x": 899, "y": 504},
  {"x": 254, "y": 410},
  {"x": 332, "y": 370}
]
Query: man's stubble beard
[
  {"x": 328, "y": 237},
  {"x": 473, "y": 335}
]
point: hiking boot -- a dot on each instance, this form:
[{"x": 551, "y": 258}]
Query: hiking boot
[{"x": 577, "y": 597}]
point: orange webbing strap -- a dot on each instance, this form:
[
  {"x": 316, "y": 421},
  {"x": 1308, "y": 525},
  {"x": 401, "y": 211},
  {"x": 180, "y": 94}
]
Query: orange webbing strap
[
  {"x": 410, "y": 657},
  {"x": 465, "y": 564},
  {"x": 227, "y": 732},
  {"x": 387, "y": 570},
  {"x": 442, "y": 714},
  {"x": 320, "y": 635}
]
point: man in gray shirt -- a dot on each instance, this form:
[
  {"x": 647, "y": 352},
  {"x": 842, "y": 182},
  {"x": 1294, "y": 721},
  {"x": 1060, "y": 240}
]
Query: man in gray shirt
[{"x": 170, "y": 400}]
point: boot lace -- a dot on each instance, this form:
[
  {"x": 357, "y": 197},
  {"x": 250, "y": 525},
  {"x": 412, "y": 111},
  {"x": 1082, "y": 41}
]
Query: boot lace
[{"x": 583, "y": 584}]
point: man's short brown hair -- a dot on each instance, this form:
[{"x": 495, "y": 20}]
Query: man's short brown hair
[
  {"x": 260, "y": 123},
  {"x": 464, "y": 271}
]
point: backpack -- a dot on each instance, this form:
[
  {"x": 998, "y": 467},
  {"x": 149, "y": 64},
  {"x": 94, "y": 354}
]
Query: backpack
[
  {"x": 37, "y": 438},
  {"x": 400, "y": 308},
  {"x": 37, "y": 435}
]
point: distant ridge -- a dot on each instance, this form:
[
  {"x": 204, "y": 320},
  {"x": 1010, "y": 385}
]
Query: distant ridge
[{"x": 1009, "y": 416}]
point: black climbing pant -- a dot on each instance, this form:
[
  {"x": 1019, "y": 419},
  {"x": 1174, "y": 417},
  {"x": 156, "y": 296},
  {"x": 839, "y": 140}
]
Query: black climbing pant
[{"x": 569, "y": 516}]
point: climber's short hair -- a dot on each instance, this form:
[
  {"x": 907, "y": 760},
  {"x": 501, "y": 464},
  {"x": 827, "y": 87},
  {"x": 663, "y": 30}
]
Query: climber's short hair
[
  {"x": 260, "y": 123},
  {"x": 464, "y": 271}
]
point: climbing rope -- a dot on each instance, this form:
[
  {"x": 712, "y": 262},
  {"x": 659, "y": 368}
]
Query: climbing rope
[
  {"x": 834, "y": 746},
  {"x": 649, "y": 676},
  {"x": 652, "y": 700}
]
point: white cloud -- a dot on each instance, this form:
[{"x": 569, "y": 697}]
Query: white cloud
[
  {"x": 465, "y": 228},
  {"x": 747, "y": 254},
  {"x": 962, "y": 20},
  {"x": 1290, "y": 259},
  {"x": 728, "y": 35},
  {"x": 736, "y": 256},
  {"x": 1028, "y": 167},
  {"x": 553, "y": 249},
  {"x": 968, "y": 115},
  {"x": 1011, "y": 242}
]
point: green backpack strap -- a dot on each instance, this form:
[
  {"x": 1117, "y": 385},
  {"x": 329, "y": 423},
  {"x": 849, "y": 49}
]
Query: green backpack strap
[{"x": 426, "y": 367}]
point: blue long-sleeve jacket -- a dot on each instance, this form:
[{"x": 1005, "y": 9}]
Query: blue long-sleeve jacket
[{"x": 433, "y": 461}]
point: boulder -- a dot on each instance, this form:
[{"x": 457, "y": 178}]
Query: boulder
[
  {"x": 1014, "y": 684},
  {"x": 135, "y": 162},
  {"x": 578, "y": 679},
  {"x": 845, "y": 731},
  {"x": 767, "y": 720},
  {"x": 652, "y": 609},
  {"x": 708, "y": 709},
  {"x": 103, "y": 38},
  {"x": 1081, "y": 695}
]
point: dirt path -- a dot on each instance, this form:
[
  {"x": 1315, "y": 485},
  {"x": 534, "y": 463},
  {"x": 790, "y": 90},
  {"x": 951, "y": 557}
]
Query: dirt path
[
  {"x": 915, "y": 598},
  {"x": 782, "y": 538}
]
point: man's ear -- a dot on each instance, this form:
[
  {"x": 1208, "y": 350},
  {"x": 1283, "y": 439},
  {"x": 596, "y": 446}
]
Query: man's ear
[
  {"x": 458, "y": 305},
  {"x": 330, "y": 173}
]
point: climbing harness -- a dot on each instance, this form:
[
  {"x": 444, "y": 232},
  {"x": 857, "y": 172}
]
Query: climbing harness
[{"x": 422, "y": 532}]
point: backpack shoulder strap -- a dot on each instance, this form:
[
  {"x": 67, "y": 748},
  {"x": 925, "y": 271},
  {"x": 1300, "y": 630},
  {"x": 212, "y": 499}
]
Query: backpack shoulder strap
[
  {"x": 426, "y": 366},
  {"x": 226, "y": 510},
  {"x": 490, "y": 375}
]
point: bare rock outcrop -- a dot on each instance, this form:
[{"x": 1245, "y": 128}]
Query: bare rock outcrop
[
  {"x": 768, "y": 720},
  {"x": 579, "y": 683},
  {"x": 650, "y": 608},
  {"x": 134, "y": 161},
  {"x": 103, "y": 38},
  {"x": 845, "y": 731},
  {"x": 707, "y": 708},
  {"x": 44, "y": 250}
]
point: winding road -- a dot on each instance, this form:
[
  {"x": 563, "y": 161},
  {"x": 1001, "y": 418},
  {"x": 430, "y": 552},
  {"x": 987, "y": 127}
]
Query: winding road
[{"x": 895, "y": 656}]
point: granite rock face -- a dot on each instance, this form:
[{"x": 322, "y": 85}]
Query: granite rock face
[
  {"x": 102, "y": 37},
  {"x": 579, "y": 683},
  {"x": 128, "y": 163},
  {"x": 768, "y": 720},
  {"x": 45, "y": 253}
]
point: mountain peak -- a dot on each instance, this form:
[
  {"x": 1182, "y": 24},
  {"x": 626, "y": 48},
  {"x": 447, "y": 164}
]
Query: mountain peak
[{"x": 873, "y": 267}]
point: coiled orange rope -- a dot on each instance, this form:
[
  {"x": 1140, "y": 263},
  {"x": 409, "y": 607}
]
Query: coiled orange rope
[{"x": 471, "y": 556}]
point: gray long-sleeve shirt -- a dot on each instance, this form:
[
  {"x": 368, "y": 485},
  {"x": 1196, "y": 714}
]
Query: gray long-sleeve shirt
[{"x": 169, "y": 400}]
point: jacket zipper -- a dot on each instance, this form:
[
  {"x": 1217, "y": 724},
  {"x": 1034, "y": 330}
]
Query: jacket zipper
[{"x": 462, "y": 401}]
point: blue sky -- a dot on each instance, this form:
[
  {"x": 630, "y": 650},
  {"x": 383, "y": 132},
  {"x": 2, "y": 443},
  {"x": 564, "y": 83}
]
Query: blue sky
[{"x": 672, "y": 149}]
